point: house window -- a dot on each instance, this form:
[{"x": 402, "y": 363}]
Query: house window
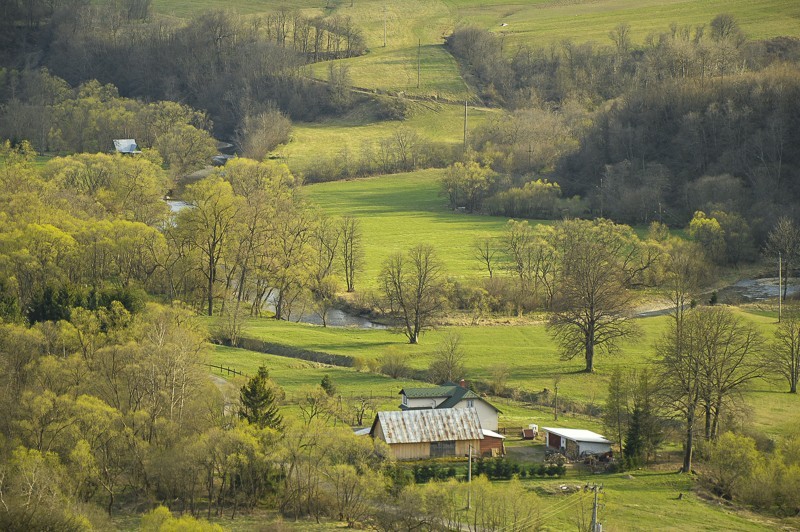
[
  {"x": 440, "y": 449},
  {"x": 470, "y": 403}
]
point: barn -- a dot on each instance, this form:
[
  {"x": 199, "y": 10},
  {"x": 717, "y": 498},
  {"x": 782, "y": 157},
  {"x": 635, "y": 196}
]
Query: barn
[
  {"x": 576, "y": 442},
  {"x": 429, "y": 433}
]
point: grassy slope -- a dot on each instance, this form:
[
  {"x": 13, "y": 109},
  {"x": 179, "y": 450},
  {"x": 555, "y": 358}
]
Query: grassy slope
[
  {"x": 646, "y": 500},
  {"x": 527, "y": 351},
  {"x": 326, "y": 139},
  {"x": 534, "y": 22},
  {"x": 402, "y": 210}
]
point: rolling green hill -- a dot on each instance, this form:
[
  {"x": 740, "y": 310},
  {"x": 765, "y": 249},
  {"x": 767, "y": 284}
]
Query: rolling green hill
[{"x": 409, "y": 23}]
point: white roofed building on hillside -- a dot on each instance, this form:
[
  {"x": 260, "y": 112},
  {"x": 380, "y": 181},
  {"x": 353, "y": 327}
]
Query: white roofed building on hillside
[
  {"x": 575, "y": 443},
  {"x": 126, "y": 146}
]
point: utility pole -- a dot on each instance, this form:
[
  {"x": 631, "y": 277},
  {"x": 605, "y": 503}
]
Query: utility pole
[
  {"x": 465, "y": 126},
  {"x": 780, "y": 286},
  {"x": 469, "y": 479},
  {"x": 555, "y": 400},
  {"x": 384, "y": 25},
  {"x": 596, "y": 527},
  {"x": 419, "y": 59}
]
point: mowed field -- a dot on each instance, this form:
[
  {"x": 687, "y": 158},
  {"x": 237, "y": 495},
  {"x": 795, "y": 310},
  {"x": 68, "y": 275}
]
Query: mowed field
[
  {"x": 411, "y": 23},
  {"x": 313, "y": 143},
  {"x": 526, "y": 351},
  {"x": 400, "y": 211}
]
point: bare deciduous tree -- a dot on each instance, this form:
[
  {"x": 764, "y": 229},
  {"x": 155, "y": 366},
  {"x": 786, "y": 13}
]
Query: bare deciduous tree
[
  {"x": 352, "y": 251},
  {"x": 448, "y": 360},
  {"x": 784, "y": 241},
  {"x": 413, "y": 285},
  {"x": 599, "y": 262},
  {"x": 704, "y": 363},
  {"x": 485, "y": 253},
  {"x": 785, "y": 358}
]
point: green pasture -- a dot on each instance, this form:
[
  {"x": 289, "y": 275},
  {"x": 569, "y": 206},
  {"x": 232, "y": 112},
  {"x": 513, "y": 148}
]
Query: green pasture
[
  {"x": 526, "y": 351},
  {"x": 297, "y": 377},
  {"x": 336, "y": 138},
  {"x": 395, "y": 69},
  {"x": 541, "y": 23},
  {"x": 534, "y": 22},
  {"x": 641, "y": 500},
  {"x": 400, "y": 211}
]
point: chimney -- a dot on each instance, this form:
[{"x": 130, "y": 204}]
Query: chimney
[{"x": 462, "y": 383}]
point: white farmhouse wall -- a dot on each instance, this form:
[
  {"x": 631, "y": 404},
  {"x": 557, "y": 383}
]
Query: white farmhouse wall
[
  {"x": 427, "y": 402},
  {"x": 486, "y": 414}
]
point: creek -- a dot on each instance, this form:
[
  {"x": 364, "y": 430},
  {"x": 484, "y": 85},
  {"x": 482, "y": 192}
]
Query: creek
[{"x": 336, "y": 317}]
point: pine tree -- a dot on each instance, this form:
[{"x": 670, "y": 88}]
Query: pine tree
[
  {"x": 259, "y": 404},
  {"x": 328, "y": 385},
  {"x": 634, "y": 440},
  {"x": 616, "y": 412}
]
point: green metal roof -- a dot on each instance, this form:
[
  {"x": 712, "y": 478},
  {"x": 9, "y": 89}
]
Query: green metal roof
[{"x": 453, "y": 392}]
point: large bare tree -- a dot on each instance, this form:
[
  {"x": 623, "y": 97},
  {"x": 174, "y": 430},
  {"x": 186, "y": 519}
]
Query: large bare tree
[
  {"x": 413, "y": 285},
  {"x": 784, "y": 242},
  {"x": 352, "y": 249},
  {"x": 599, "y": 262},
  {"x": 704, "y": 363},
  {"x": 785, "y": 357}
]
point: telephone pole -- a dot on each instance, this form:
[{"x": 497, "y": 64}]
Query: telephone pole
[
  {"x": 780, "y": 287},
  {"x": 596, "y": 527},
  {"x": 384, "y": 25},
  {"x": 465, "y": 126},
  {"x": 419, "y": 59},
  {"x": 469, "y": 479}
]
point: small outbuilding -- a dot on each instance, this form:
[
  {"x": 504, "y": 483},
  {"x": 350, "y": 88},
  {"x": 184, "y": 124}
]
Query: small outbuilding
[
  {"x": 429, "y": 433},
  {"x": 126, "y": 146},
  {"x": 493, "y": 443},
  {"x": 575, "y": 443}
]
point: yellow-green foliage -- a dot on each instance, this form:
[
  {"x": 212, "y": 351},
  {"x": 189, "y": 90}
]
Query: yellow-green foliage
[{"x": 161, "y": 520}]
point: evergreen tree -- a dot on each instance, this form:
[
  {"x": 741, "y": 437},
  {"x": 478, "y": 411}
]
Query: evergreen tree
[
  {"x": 616, "y": 413},
  {"x": 328, "y": 385},
  {"x": 644, "y": 434},
  {"x": 259, "y": 404},
  {"x": 634, "y": 440}
]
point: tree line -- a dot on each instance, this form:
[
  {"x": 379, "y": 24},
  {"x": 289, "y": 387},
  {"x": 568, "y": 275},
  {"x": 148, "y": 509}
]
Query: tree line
[
  {"x": 693, "y": 119},
  {"x": 193, "y": 61},
  {"x": 80, "y": 226}
]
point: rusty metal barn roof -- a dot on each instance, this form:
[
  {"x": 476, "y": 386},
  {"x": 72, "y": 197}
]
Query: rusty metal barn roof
[{"x": 418, "y": 426}]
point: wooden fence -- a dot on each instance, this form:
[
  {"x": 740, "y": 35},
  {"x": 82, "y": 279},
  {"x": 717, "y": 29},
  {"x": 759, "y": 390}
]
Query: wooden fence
[{"x": 228, "y": 370}]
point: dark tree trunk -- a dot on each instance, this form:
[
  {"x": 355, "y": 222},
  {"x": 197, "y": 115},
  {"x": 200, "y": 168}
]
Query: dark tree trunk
[{"x": 687, "y": 452}]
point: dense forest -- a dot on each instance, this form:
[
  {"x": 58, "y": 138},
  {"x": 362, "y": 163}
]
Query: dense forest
[
  {"x": 112, "y": 303},
  {"x": 697, "y": 119}
]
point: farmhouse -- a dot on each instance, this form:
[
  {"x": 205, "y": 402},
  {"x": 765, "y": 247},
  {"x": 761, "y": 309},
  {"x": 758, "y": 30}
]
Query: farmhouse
[
  {"x": 576, "y": 442},
  {"x": 450, "y": 395},
  {"x": 420, "y": 434}
]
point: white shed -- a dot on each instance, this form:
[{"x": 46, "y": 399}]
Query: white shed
[{"x": 576, "y": 442}]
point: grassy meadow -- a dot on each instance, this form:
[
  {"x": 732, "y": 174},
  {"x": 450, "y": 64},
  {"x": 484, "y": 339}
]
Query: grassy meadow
[
  {"x": 526, "y": 351},
  {"x": 329, "y": 139},
  {"x": 402, "y": 210},
  {"x": 535, "y": 22}
]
